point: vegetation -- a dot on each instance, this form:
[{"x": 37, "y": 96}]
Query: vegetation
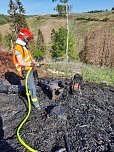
[
  {"x": 4, "y": 19},
  {"x": 58, "y": 48},
  {"x": 61, "y": 8},
  {"x": 82, "y": 26},
  {"x": 38, "y": 47},
  {"x": 98, "y": 74},
  {"x": 17, "y": 21},
  {"x": 7, "y": 40},
  {"x": 112, "y": 8},
  {"x": 37, "y": 54},
  {"x": 17, "y": 16},
  {"x": 89, "y": 72},
  {"x": 97, "y": 11},
  {"x": 40, "y": 41},
  {"x": 0, "y": 40}
]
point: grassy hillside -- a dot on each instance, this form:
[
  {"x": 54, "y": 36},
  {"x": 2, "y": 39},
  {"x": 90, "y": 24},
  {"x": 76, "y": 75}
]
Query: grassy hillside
[
  {"x": 45, "y": 23},
  {"x": 79, "y": 23},
  {"x": 85, "y": 23},
  {"x": 4, "y": 19},
  {"x": 94, "y": 33}
]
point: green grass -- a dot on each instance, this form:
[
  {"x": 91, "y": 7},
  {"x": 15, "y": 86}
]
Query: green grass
[
  {"x": 90, "y": 73},
  {"x": 98, "y": 74},
  {"x": 61, "y": 67}
]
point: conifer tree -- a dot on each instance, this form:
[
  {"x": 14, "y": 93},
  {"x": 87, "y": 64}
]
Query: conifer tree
[
  {"x": 52, "y": 35},
  {"x": 39, "y": 50},
  {"x": 40, "y": 41},
  {"x": 0, "y": 39},
  {"x": 17, "y": 16},
  {"x": 58, "y": 49}
]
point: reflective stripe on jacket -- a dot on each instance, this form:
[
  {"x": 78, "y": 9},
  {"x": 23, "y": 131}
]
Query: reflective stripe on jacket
[{"x": 26, "y": 56}]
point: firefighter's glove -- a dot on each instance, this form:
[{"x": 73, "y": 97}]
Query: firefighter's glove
[
  {"x": 33, "y": 65},
  {"x": 40, "y": 64}
]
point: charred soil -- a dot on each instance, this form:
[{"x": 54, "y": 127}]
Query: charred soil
[{"x": 87, "y": 119}]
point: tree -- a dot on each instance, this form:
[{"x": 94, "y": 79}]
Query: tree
[
  {"x": 62, "y": 1},
  {"x": 52, "y": 35},
  {"x": 20, "y": 7},
  {"x": 17, "y": 16},
  {"x": 112, "y": 8},
  {"x": 83, "y": 53},
  {"x": 37, "y": 54},
  {"x": 39, "y": 50},
  {"x": 40, "y": 41},
  {"x": 7, "y": 41},
  {"x": 0, "y": 39},
  {"x": 61, "y": 9},
  {"x": 59, "y": 44},
  {"x": 12, "y": 13},
  {"x": 64, "y": 9}
]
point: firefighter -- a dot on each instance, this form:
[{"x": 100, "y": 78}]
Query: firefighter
[{"x": 23, "y": 62}]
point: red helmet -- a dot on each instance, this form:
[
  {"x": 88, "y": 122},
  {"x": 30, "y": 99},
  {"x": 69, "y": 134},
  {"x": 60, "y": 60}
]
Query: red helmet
[{"x": 25, "y": 35}]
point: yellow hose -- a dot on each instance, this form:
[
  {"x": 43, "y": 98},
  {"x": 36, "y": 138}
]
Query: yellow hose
[{"x": 25, "y": 119}]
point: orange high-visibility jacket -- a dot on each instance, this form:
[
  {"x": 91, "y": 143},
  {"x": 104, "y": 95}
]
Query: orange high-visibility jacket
[{"x": 26, "y": 56}]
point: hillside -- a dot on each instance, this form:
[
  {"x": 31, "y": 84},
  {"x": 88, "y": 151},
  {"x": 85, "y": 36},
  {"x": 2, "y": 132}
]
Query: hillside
[
  {"x": 95, "y": 37},
  {"x": 4, "y": 19},
  {"x": 94, "y": 33},
  {"x": 74, "y": 122},
  {"x": 45, "y": 23}
]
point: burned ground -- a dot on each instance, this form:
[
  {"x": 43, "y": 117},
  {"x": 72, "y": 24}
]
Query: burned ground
[{"x": 88, "y": 120}]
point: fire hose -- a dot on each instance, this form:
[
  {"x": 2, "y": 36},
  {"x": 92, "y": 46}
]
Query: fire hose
[
  {"x": 77, "y": 77},
  {"x": 27, "y": 116}
]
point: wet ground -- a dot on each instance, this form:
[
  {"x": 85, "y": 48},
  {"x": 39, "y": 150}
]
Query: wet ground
[{"x": 88, "y": 121}]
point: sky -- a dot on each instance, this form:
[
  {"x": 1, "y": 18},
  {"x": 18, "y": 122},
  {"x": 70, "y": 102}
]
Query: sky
[{"x": 41, "y": 7}]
